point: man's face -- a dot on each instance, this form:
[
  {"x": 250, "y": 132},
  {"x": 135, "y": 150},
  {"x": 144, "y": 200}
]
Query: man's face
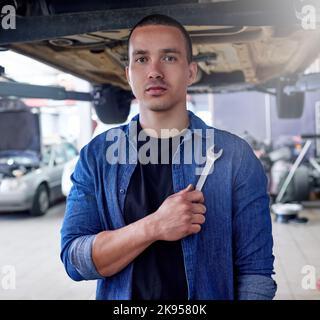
[{"x": 158, "y": 71}]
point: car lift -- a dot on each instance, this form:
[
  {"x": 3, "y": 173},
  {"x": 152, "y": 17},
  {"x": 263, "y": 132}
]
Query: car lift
[{"x": 24, "y": 90}]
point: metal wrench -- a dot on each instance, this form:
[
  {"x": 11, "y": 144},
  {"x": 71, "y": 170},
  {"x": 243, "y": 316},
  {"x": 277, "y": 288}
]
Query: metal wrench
[{"x": 211, "y": 158}]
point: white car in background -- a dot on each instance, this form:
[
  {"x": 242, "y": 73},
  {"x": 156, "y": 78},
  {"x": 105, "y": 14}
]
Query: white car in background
[
  {"x": 30, "y": 168},
  {"x": 68, "y": 169}
]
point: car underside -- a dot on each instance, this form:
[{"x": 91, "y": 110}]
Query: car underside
[{"x": 238, "y": 44}]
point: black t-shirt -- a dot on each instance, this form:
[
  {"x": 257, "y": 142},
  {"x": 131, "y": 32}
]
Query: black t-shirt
[{"x": 158, "y": 272}]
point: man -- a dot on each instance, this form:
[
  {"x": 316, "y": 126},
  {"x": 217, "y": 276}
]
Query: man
[{"x": 141, "y": 228}]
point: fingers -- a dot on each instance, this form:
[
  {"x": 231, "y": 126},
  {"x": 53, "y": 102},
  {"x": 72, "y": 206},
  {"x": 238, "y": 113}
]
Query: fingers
[
  {"x": 198, "y": 208},
  {"x": 194, "y": 196},
  {"x": 195, "y": 228},
  {"x": 198, "y": 219}
]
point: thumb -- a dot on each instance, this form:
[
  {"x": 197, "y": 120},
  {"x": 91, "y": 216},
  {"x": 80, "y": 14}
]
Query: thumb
[{"x": 187, "y": 189}]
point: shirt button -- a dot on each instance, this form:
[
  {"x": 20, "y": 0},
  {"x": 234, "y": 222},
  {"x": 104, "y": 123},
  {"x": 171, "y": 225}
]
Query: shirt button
[{"x": 122, "y": 191}]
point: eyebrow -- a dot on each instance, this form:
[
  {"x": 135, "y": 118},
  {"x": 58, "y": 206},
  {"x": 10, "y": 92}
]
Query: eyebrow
[
  {"x": 166, "y": 50},
  {"x": 137, "y": 52},
  {"x": 171, "y": 50}
]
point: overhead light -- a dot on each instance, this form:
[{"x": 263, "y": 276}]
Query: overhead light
[{"x": 62, "y": 42}]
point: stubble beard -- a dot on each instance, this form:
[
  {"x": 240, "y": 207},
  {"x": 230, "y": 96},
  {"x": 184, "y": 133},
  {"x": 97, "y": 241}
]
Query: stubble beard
[{"x": 157, "y": 107}]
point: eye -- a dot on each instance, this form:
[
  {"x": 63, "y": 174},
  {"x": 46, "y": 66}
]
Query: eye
[
  {"x": 141, "y": 60},
  {"x": 169, "y": 58}
]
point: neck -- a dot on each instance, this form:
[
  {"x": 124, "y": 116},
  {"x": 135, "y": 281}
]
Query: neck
[{"x": 174, "y": 121}]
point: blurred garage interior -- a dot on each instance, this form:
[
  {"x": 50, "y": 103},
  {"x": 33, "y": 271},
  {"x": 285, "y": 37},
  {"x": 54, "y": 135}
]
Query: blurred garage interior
[{"x": 30, "y": 244}]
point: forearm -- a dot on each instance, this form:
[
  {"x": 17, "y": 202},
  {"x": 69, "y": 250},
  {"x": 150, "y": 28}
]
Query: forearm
[
  {"x": 107, "y": 253},
  {"x": 114, "y": 250}
]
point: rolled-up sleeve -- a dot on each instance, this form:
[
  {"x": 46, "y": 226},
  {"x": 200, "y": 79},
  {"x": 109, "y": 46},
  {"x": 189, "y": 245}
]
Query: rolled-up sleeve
[
  {"x": 252, "y": 229},
  {"x": 81, "y": 222},
  {"x": 80, "y": 255},
  {"x": 255, "y": 287}
]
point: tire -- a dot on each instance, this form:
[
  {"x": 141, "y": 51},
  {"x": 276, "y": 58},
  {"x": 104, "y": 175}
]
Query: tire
[
  {"x": 289, "y": 106},
  {"x": 112, "y": 104},
  {"x": 41, "y": 202},
  {"x": 299, "y": 188},
  {"x": 301, "y": 184}
]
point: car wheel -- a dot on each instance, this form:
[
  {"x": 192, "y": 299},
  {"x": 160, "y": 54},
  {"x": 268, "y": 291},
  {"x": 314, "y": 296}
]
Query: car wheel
[
  {"x": 40, "y": 202},
  {"x": 112, "y": 104},
  {"x": 289, "y": 106},
  {"x": 302, "y": 184}
]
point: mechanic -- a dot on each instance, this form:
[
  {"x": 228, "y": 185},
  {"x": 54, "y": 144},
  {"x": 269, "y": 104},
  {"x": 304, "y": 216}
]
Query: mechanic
[{"x": 141, "y": 228}]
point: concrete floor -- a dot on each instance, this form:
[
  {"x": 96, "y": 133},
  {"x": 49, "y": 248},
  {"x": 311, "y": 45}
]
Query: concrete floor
[
  {"x": 31, "y": 246},
  {"x": 297, "y": 246}
]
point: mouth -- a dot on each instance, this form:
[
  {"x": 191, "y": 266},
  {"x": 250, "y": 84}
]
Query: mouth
[{"x": 156, "y": 90}]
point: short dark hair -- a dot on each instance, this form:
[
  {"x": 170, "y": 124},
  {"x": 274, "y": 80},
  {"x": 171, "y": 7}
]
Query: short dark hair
[{"x": 160, "y": 19}]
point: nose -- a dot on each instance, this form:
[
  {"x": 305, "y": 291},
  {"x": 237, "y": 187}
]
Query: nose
[{"x": 155, "y": 71}]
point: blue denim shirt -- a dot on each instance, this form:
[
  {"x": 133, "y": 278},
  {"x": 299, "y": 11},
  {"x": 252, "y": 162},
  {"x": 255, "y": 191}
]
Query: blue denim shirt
[{"x": 230, "y": 258}]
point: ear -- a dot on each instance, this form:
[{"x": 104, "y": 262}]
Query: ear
[
  {"x": 193, "y": 69},
  {"x": 127, "y": 75}
]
